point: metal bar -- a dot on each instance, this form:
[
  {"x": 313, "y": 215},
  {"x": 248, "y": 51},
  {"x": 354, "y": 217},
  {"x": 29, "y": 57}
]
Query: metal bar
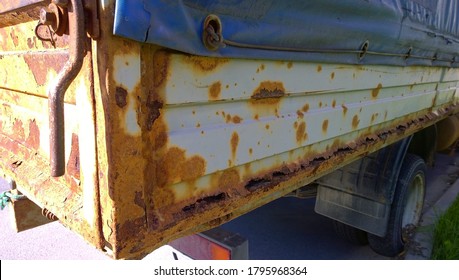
[{"x": 62, "y": 82}]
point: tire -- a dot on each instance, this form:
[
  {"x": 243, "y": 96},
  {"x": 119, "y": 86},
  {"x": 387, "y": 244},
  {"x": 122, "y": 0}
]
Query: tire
[
  {"x": 350, "y": 234},
  {"x": 406, "y": 208}
]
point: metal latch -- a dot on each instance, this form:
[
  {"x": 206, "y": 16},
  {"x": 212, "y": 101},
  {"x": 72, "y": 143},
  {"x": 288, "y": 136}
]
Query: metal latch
[{"x": 66, "y": 17}]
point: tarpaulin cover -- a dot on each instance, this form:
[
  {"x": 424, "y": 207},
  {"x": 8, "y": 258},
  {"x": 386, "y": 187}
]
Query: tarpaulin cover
[{"x": 391, "y": 32}]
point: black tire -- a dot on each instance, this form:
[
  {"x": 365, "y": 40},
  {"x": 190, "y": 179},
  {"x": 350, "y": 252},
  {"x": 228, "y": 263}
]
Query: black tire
[
  {"x": 351, "y": 234},
  {"x": 406, "y": 208}
]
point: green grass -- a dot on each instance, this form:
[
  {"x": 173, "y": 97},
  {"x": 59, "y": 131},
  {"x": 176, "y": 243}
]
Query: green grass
[{"x": 446, "y": 235}]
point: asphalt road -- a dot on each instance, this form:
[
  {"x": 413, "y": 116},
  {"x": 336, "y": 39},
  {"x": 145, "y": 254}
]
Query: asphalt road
[{"x": 286, "y": 229}]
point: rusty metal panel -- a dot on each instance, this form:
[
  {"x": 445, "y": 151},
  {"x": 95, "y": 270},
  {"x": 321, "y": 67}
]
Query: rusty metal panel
[
  {"x": 28, "y": 68},
  {"x": 191, "y": 142}
]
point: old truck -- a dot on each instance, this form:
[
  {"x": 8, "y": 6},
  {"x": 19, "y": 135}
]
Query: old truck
[{"x": 138, "y": 122}]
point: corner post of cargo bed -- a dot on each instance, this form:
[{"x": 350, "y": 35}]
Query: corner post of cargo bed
[{"x": 57, "y": 90}]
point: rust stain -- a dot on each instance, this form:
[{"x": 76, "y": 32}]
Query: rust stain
[
  {"x": 289, "y": 65},
  {"x": 344, "y": 109},
  {"x": 205, "y": 64},
  {"x": 229, "y": 179},
  {"x": 40, "y": 64},
  {"x": 320, "y": 104},
  {"x": 175, "y": 166},
  {"x": 332, "y": 75},
  {"x": 325, "y": 126},
  {"x": 250, "y": 151},
  {"x": 121, "y": 97},
  {"x": 355, "y": 122},
  {"x": 236, "y": 119},
  {"x": 319, "y": 68},
  {"x": 300, "y": 114},
  {"x": 18, "y": 129},
  {"x": 228, "y": 118},
  {"x": 14, "y": 37},
  {"x": 305, "y": 108},
  {"x": 161, "y": 68},
  {"x": 334, "y": 103},
  {"x": 33, "y": 140},
  {"x": 267, "y": 127},
  {"x": 31, "y": 43},
  {"x": 256, "y": 117},
  {"x": 301, "y": 134},
  {"x": 268, "y": 93},
  {"x": 375, "y": 91},
  {"x": 234, "y": 144},
  {"x": 215, "y": 90}
]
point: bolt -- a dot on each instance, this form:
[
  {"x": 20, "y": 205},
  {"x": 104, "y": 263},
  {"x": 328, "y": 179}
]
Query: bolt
[{"x": 47, "y": 18}]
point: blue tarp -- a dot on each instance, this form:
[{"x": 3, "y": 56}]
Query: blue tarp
[{"x": 396, "y": 32}]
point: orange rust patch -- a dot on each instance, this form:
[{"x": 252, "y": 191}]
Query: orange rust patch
[
  {"x": 268, "y": 93},
  {"x": 161, "y": 68},
  {"x": 236, "y": 119},
  {"x": 33, "y": 140},
  {"x": 256, "y": 117},
  {"x": 334, "y": 103},
  {"x": 332, "y": 75},
  {"x": 229, "y": 179},
  {"x": 267, "y": 126},
  {"x": 373, "y": 117},
  {"x": 319, "y": 68},
  {"x": 305, "y": 108},
  {"x": 344, "y": 109},
  {"x": 250, "y": 151},
  {"x": 375, "y": 91},
  {"x": 325, "y": 126},
  {"x": 289, "y": 65},
  {"x": 198, "y": 125},
  {"x": 40, "y": 63},
  {"x": 355, "y": 122},
  {"x": 175, "y": 167},
  {"x": 301, "y": 134},
  {"x": 300, "y": 114},
  {"x": 320, "y": 104},
  {"x": 228, "y": 118},
  {"x": 234, "y": 144},
  {"x": 215, "y": 90},
  {"x": 205, "y": 64}
]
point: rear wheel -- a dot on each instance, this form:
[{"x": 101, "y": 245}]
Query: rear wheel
[
  {"x": 350, "y": 234},
  {"x": 405, "y": 210}
]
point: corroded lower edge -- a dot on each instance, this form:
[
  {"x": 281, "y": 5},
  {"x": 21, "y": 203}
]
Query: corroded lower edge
[{"x": 229, "y": 208}]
